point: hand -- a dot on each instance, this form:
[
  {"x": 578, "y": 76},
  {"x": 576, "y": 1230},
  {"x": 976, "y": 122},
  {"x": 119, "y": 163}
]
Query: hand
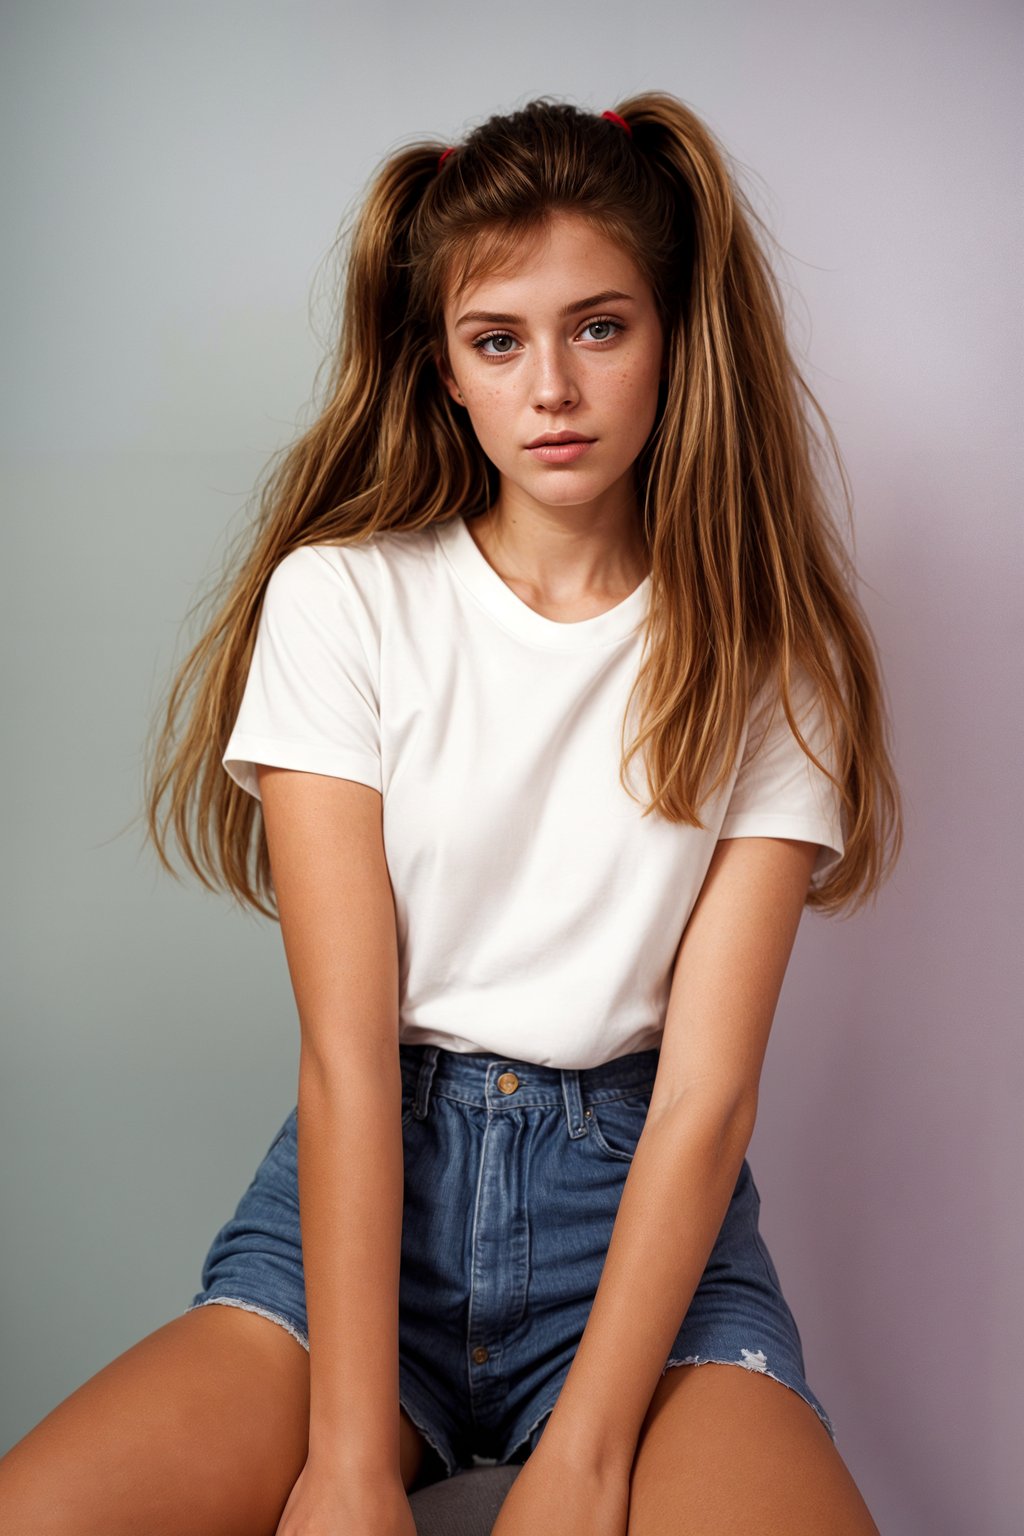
[
  {"x": 328, "y": 1503},
  {"x": 562, "y": 1498}
]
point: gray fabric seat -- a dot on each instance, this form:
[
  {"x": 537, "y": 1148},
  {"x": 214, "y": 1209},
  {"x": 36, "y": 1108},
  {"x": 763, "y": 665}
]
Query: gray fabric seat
[{"x": 464, "y": 1505}]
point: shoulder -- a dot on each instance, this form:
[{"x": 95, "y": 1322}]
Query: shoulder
[
  {"x": 807, "y": 699},
  {"x": 325, "y": 565},
  {"x": 368, "y": 565}
]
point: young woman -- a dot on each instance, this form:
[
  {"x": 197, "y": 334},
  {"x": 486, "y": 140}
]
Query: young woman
[{"x": 537, "y": 707}]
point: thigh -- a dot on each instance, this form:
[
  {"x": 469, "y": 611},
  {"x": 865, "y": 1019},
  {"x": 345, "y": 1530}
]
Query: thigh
[
  {"x": 727, "y": 1449},
  {"x": 201, "y": 1426}
]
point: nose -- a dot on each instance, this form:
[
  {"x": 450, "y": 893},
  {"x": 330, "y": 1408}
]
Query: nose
[{"x": 554, "y": 382}]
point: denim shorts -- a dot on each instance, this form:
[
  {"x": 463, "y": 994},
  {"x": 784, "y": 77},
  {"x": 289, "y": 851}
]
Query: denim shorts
[{"x": 513, "y": 1175}]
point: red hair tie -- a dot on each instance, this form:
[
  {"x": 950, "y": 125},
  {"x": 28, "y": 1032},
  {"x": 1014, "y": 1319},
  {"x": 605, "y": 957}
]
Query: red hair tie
[
  {"x": 443, "y": 157},
  {"x": 613, "y": 117}
]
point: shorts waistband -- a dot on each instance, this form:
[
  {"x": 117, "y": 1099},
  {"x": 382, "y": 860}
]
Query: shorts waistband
[{"x": 504, "y": 1082}]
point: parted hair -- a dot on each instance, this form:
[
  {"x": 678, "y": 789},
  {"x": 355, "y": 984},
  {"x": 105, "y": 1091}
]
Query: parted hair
[{"x": 750, "y": 574}]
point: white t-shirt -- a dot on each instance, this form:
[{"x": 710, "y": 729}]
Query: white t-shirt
[{"x": 538, "y": 915}]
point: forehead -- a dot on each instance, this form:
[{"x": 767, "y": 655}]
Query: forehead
[{"x": 554, "y": 258}]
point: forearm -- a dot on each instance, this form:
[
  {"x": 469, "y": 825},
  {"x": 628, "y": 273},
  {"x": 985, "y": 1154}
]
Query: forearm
[
  {"x": 350, "y": 1201},
  {"x": 672, "y": 1207}
]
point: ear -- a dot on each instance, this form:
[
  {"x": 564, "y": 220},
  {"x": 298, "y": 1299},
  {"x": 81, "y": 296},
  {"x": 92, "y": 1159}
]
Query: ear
[{"x": 446, "y": 378}]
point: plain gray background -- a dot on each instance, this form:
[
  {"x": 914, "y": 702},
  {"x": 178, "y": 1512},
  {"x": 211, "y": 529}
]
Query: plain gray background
[{"x": 174, "y": 177}]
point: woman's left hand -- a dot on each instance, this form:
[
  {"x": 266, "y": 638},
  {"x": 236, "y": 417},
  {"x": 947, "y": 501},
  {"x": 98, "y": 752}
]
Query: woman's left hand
[{"x": 553, "y": 1495}]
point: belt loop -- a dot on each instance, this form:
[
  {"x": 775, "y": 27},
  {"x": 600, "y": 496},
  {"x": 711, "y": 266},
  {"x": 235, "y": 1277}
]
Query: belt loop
[
  {"x": 428, "y": 1066},
  {"x": 573, "y": 1103}
]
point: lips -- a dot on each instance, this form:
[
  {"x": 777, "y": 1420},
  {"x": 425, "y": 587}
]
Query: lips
[
  {"x": 550, "y": 439},
  {"x": 566, "y": 452}
]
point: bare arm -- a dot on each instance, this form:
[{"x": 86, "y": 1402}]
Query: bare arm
[
  {"x": 726, "y": 982},
  {"x": 336, "y": 908}
]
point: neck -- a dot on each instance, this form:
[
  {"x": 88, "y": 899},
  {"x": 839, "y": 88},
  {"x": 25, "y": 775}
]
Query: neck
[{"x": 563, "y": 555}]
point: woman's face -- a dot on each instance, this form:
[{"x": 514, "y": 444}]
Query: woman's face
[{"x": 571, "y": 342}]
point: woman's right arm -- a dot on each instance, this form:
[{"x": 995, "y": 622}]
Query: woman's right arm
[{"x": 336, "y": 908}]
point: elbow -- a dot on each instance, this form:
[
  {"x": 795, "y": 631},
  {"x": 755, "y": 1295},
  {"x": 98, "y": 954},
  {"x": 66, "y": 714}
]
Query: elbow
[{"x": 725, "y": 1118}]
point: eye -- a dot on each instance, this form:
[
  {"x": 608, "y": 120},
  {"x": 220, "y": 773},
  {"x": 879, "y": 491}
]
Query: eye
[
  {"x": 606, "y": 323},
  {"x": 493, "y": 336},
  {"x": 602, "y": 322}
]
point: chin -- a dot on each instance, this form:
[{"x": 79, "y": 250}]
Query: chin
[{"x": 567, "y": 494}]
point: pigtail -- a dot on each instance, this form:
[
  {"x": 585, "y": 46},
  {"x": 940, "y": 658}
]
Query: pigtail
[
  {"x": 421, "y": 461},
  {"x": 739, "y": 524}
]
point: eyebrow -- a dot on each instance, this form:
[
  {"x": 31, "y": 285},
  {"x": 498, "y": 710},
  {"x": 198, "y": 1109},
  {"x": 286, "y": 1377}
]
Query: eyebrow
[{"x": 492, "y": 317}]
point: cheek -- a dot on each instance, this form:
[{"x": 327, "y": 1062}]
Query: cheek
[
  {"x": 634, "y": 391},
  {"x": 489, "y": 408}
]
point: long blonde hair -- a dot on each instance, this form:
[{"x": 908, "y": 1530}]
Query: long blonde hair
[{"x": 749, "y": 575}]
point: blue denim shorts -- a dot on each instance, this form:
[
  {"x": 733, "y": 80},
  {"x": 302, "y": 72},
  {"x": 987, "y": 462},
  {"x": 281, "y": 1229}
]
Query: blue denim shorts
[{"x": 513, "y": 1175}]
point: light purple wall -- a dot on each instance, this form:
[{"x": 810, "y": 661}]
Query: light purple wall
[{"x": 175, "y": 175}]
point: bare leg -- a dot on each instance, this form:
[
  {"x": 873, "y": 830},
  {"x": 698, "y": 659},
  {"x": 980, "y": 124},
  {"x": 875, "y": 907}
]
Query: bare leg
[
  {"x": 201, "y": 1426},
  {"x": 728, "y": 1449}
]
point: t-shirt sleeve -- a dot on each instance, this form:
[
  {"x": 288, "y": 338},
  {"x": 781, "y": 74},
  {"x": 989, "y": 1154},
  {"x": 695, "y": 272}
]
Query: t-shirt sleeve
[
  {"x": 778, "y": 791},
  {"x": 311, "y": 696}
]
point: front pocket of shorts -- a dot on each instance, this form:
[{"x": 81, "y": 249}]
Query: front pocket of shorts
[
  {"x": 616, "y": 1126},
  {"x": 290, "y": 1123},
  {"x": 408, "y": 1101},
  {"x": 277, "y": 1167}
]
